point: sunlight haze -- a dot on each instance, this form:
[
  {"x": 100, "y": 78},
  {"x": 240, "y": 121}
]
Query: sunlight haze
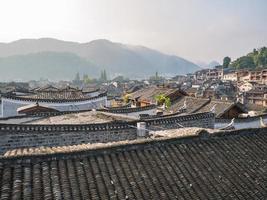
[{"x": 196, "y": 30}]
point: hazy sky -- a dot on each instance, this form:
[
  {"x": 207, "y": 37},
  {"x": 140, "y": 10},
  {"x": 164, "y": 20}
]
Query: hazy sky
[{"x": 199, "y": 30}]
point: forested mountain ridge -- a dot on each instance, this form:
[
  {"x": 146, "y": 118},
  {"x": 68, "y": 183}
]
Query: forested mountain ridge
[
  {"x": 36, "y": 58},
  {"x": 253, "y": 60}
]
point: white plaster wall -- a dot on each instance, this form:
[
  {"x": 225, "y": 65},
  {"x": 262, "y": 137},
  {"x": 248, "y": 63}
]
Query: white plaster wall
[
  {"x": 92, "y": 94},
  {"x": 10, "y": 106},
  {"x": 0, "y": 109},
  {"x": 255, "y": 123},
  {"x": 136, "y": 114}
]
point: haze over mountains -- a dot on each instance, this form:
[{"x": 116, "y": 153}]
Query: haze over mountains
[
  {"x": 29, "y": 59},
  {"x": 205, "y": 65}
]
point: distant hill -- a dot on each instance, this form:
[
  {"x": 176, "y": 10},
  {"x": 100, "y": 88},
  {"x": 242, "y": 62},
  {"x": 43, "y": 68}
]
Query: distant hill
[
  {"x": 255, "y": 59},
  {"x": 213, "y": 64},
  {"x": 52, "y": 65},
  {"x": 204, "y": 65},
  {"x": 30, "y": 57}
]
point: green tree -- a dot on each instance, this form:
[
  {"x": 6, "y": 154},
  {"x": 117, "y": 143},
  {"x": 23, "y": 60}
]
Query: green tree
[
  {"x": 255, "y": 59},
  {"x": 126, "y": 98},
  {"x": 244, "y": 62},
  {"x": 86, "y": 79},
  {"x": 163, "y": 99},
  {"x": 167, "y": 102},
  {"x": 226, "y": 61},
  {"x": 103, "y": 76},
  {"x": 77, "y": 79}
]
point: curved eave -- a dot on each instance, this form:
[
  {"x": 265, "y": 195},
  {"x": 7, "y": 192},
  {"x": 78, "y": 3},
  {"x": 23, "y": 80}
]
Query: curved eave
[{"x": 53, "y": 100}]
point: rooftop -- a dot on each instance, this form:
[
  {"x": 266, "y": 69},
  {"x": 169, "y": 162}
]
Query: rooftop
[
  {"x": 150, "y": 92},
  {"x": 198, "y": 105},
  {"x": 226, "y": 165},
  {"x": 88, "y": 117}
]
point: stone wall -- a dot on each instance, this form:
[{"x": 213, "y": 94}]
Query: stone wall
[
  {"x": 202, "y": 120},
  {"x": 19, "y": 136},
  {"x": 133, "y": 111},
  {"x": 33, "y": 135}
]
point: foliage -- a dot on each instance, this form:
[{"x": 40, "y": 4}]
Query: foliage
[
  {"x": 255, "y": 59},
  {"x": 155, "y": 77},
  {"x": 168, "y": 102},
  {"x": 126, "y": 98},
  {"x": 103, "y": 76},
  {"x": 226, "y": 61},
  {"x": 86, "y": 79},
  {"x": 163, "y": 99},
  {"x": 77, "y": 79}
]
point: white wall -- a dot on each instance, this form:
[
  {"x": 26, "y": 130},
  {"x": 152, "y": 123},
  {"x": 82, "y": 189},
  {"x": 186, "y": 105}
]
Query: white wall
[
  {"x": 10, "y": 106},
  {"x": 92, "y": 94},
  {"x": 136, "y": 114}
]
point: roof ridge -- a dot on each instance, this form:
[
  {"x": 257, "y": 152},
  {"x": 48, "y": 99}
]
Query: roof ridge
[
  {"x": 87, "y": 148},
  {"x": 126, "y": 145}
]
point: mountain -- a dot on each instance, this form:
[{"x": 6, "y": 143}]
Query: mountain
[
  {"x": 213, "y": 64},
  {"x": 52, "y": 65},
  {"x": 257, "y": 59},
  {"x": 204, "y": 65},
  {"x": 51, "y": 56}
]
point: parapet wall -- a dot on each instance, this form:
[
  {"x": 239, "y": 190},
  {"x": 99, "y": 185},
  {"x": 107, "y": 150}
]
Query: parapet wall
[
  {"x": 202, "y": 120},
  {"x": 21, "y": 136},
  {"x": 32, "y": 135},
  {"x": 131, "y": 145},
  {"x": 135, "y": 112},
  {"x": 129, "y": 109}
]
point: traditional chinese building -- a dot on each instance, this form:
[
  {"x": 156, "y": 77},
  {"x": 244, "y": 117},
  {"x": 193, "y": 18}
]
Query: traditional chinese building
[{"x": 66, "y": 99}]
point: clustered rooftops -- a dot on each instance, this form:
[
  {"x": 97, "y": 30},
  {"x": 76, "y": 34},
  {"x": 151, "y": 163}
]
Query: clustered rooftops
[
  {"x": 199, "y": 105},
  {"x": 226, "y": 165},
  {"x": 54, "y": 93},
  {"x": 149, "y": 93},
  {"x": 88, "y": 117}
]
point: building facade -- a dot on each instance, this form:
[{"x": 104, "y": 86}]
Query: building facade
[{"x": 68, "y": 99}]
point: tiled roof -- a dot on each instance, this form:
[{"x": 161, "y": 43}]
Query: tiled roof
[
  {"x": 88, "y": 117},
  {"x": 51, "y": 92},
  {"x": 223, "y": 167},
  {"x": 191, "y": 90},
  {"x": 199, "y": 105},
  {"x": 149, "y": 93},
  {"x": 192, "y": 104},
  {"x": 220, "y": 107}
]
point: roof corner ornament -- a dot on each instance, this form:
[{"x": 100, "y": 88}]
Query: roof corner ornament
[
  {"x": 262, "y": 124},
  {"x": 185, "y": 106},
  {"x": 213, "y": 109}
]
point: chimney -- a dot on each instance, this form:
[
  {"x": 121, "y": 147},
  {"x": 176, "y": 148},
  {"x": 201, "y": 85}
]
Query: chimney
[{"x": 141, "y": 129}]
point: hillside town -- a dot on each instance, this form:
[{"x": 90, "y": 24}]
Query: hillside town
[
  {"x": 133, "y": 100},
  {"x": 80, "y": 140},
  {"x": 234, "y": 94}
]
